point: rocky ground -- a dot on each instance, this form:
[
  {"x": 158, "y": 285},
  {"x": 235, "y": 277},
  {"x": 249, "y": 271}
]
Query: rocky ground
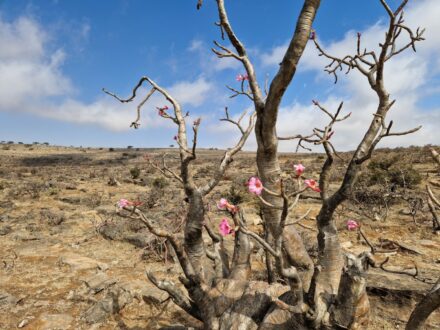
[{"x": 69, "y": 262}]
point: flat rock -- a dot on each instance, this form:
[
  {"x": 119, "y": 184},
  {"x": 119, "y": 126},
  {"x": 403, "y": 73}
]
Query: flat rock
[
  {"x": 4, "y": 230},
  {"x": 115, "y": 299},
  {"x": 144, "y": 290},
  {"x": 395, "y": 282},
  {"x": 429, "y": 244},
  {"x": 54, "y": 321},
  {"x": 7, "y": 299},
  {"x": 99, "y": 282},
  {"x": 77, "y": 262}
]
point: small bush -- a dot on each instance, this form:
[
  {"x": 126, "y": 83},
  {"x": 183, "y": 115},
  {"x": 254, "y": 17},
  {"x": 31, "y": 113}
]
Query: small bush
[
  {"x": 160, "y": 182},
  {"x": 391, "y": 170},
  {"x": 135, "y": 172}
]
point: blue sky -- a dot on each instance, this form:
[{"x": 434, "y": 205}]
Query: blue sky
[{"x": 56, "y": 55}]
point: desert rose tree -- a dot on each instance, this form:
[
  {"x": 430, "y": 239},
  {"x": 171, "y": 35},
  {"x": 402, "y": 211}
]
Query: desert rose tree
[{"x": 220, "y": 292}]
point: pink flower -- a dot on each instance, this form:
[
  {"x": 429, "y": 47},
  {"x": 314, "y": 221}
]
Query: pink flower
[
  {"x": 122, "y": 203},
  {"x": 161, "y": 110},
  {"x": 299, "y": 169},
  {"x": 255, "y": 186},
  {"x": 312, "y": 184},
  {"x": 242, "y": 77},
  {"x": 222, "y": 205},
  {"x": 225, "y": 228},
  {"x": 225, "y": 205},
  {"x": 352, "y": 225}
]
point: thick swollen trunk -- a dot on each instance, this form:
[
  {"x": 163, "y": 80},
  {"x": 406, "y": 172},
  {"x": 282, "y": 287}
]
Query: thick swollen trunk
[
  {"x": 328, "y": 272},
  {"x": 241, "y": 260},
  {"x": 351, "y": 307},
  {"x": 424, "y": 308},
  {"x": 269, "y": 172},
  {"x": 194, "y": 245}
]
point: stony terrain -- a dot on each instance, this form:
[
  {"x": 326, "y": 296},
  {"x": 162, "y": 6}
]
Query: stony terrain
[{"x": 69, "y": 262}]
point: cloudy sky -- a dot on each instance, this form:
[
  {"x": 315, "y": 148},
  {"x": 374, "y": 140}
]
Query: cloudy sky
[{"x": 56, "y": 55}]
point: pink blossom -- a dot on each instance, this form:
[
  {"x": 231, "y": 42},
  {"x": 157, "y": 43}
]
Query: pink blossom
[
  {"x": 352, "y": 225},
  {"x": 255, "y": 185},
  {"x": 242, "y": 77},
  {"x": 225, "y": 228},
  {"x": 161, "y": 110},
  {"x": 225, "y": 205},
  {"x": 123, "y": 203},
  {"x": 312, "y": 184},
  {"x": 299, "y": 169},
  {"x": 222, "y": 204}
]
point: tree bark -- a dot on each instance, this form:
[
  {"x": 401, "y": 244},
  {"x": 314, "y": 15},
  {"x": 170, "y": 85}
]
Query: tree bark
[{"x": 424, "y": 308}]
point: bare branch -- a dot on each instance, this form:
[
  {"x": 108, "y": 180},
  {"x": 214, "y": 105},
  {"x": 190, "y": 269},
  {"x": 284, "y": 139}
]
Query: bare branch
[
  {"x": 177, "y": 296},
  {"x": 242, "y": 54},
  {"x": 432, "y": 197},
  {"x": 227, "y": 157},
  {"x": 165, "y": 170},
  {"x": 226, "y": 52},
  {"x": 178, "y": 248},
  {"x": 133, "y": 95}
]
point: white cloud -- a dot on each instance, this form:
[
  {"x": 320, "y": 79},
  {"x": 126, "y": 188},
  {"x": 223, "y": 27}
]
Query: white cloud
[
  {"x": 191, "y": 93},
  {"x": 32, "y": 80},
  {"x": 23, "y": 38},
  {"x": 274, "y": 56},
  {"x": 209, "y": 61}
]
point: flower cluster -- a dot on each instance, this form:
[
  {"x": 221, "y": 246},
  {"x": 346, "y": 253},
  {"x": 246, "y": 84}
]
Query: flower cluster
[
  {"x": 124, "y": 202},
  {"x": 162, "y": 110},
  {"x": 299, "y": 169},
  {"x": 312, "y": 184},
  {"x": 352, "y": 225},
  {"x": 242, "y": 77},
  {"x": 224, "y": 227},
  {"x": 225, "y": 205}
]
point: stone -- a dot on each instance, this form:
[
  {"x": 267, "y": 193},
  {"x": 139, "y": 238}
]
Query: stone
[
  {"x": 379, "y": 279},
  {"x": 52, "y": 217},
  {"x": 77, "y": 262},
  {"x": 99, "y": 282},
  {"x": 346, "y": 245},
  {"x": 7, "y": 299},
  {"x": 71, "y": 200},
  {"x": 4, "y": 230},
  {"x": 55, "y": 321},
  {"x": 143, "y": 290},
  {"x": 113, "y": 182},
  {"x": 115, "y": 299}
]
